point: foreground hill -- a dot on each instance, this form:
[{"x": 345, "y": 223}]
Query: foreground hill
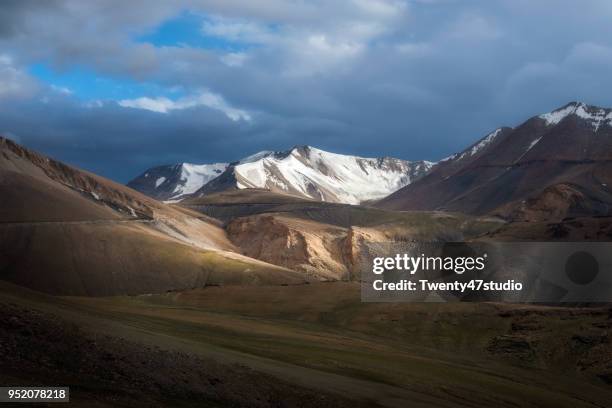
[
  {"x": 66, "y": 231},
  {"x": 312, "y": 345},
  {"x": 303, "y": 171},
  {"x": 553, "y": 166}
]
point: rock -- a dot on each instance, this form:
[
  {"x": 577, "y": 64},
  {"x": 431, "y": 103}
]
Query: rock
[{"x": 512, "y": 346}]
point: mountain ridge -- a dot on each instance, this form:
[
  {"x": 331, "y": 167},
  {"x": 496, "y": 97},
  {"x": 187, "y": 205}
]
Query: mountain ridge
[
  {"x": 571, "y": 145},
  {"x": 303, "y": 171}
]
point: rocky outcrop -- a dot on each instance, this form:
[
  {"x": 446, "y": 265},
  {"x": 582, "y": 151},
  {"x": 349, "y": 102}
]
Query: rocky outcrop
[
  {"x": 355, "y": 248},
  {"x": 555, "y": 203},
  {"x": 301, "y": 245},
  {"x": 322, "y": 250}
]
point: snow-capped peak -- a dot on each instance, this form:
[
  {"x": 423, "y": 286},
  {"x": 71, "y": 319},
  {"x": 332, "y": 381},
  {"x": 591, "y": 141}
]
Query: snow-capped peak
[
  {"x": 592, "y": 114},
  {"x": 171, "y": 182},
  {"x": 321, "y": 175}
]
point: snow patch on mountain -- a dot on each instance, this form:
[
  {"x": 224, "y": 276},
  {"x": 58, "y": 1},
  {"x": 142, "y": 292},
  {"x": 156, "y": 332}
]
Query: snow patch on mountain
[
  {"x": 159, "y": 181},
  {"x": 484, "y": 142},
  {"x": 535, "y": 142},
  {"x": 531, "y": 145},
  {"x": 476, "y": 147},
  {"x": 595, "y": 116},
  {"x": 554, "y": 117},
  {"x": 194, "y": 176},
  {"x": 256, "y": 156}
]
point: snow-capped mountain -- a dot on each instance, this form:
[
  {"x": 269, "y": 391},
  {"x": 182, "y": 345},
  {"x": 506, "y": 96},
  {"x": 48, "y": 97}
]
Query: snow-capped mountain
[
  {"x": 173, "y": 182},
  {"x": 594, "y": 116},
  {"x": 522, "y": 172},
  {"x": 316, "y": 174}
]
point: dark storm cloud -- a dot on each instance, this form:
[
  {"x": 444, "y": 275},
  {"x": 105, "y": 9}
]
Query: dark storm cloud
[
  {"x": 14, "y": 11},
  {"x": 120, "y": 143},
  {"x": 412, "y": 79}
]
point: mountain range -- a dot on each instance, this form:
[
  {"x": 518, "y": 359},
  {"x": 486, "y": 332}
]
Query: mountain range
[
  {"x": 66, "y": 231},
  {"x": 299, "y": 215},
  {"x": 552, "y": 166},
  {"x": 303, "y": 171}
]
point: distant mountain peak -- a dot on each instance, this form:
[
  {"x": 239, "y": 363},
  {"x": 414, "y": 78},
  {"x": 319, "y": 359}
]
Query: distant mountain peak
[
  {"x": 172, "y": 182},
  {"x": 594, "y": 115},
  {"x": 509, "y": 167},
  {"x": 317, "y": 174}
]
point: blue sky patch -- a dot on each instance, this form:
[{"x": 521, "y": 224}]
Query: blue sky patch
[
  {"x": 86, "y": 84},
  {"x": 186, "y": 30}
]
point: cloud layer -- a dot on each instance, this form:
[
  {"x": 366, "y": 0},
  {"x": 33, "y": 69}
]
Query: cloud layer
[{"x": 219, "y": 79}]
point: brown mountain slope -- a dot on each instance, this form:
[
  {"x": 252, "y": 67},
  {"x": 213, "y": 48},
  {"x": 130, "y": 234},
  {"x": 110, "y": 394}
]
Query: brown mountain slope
[
  {"x": 33, "y": 179},
  {"x": 505, "y": 172},
  {"x": 66, "y": 231},
  {"x": 107, "y": 259},
  {"x": 312, "y": 247},
  {"x": 572, "y": 229},
  {"x": 325, "y": 239},
  {"x": 334, "y": 252}
]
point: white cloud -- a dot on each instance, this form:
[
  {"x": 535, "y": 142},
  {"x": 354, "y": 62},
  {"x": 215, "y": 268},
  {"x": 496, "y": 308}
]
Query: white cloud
[
  {"x": 204, "y": 98},
  {"x": 237, "y": 30},
  {"x": 317, "y": 54},
  {"x": 381, "y": 8},
  {"x": 159, "y": 104},
  {"x": 321, "y": 44},
  {"x": 14, "y": 83},
  {"x": 61, "y": 89},
  {"x": 320, "y": 39},
  {"x": 234, "y": 59}
]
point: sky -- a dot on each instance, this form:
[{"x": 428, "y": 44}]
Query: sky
[{"x": 116, "y": 87}]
